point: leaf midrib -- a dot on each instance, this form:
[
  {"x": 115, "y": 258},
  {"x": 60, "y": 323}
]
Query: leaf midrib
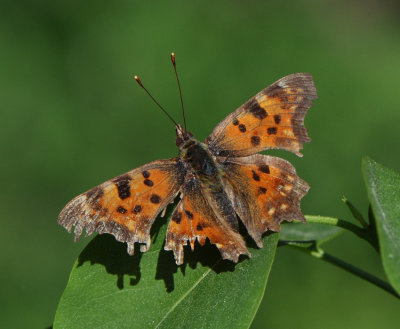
[{"x": 184, "y": 296}]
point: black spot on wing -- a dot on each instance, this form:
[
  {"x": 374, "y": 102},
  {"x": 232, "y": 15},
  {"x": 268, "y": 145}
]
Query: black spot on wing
[
  {"x": 121, "y": 210},
  {"x": 242, "y": 128},
  {"x": 154, "y": 198},
  {"x": 255, "y": 140},
  {"x": 264, "y": 168},
  {"x": 235, "y": 122},
  {"x": 177, "y": 217},
  {"x": 148, "y": 182},
  {"x": 137, "y": 209},
  {"x": 189, "y": 214},
  {"x": 272, "y": 131},
  {"x": 145, "y": 174},
  {"x": 123, "y": 186},
  {"x": 277, "y": 119},
  {"x": 255, "y": 176},
  {"x": 262, "y": 190},
  {"x": 254, "y": 108}
]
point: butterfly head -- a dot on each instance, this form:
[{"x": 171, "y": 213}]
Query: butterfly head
[{"x": 182, "y": 135}]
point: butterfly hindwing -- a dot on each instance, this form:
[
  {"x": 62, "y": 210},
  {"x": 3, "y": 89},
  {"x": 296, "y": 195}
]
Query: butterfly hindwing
[
  {"x": 127, "y": 205},
  {"x": 272, "y": 119},
  {"x": 196, "y": 219},
  {"x": 264, "y": 191}
]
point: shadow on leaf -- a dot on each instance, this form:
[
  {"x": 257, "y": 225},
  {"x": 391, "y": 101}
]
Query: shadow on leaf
[
  {"x": 105, "y": 250},
  {"x": 110, "y": 253},
  {"x": 207, "y": 256}
]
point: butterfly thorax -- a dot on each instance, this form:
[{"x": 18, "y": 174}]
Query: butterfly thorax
[
  {"x": 196, "y": 155},
  {"x": 199, "y": 160}
]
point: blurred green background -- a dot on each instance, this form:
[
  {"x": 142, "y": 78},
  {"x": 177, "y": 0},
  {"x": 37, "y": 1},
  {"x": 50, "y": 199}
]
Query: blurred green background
[{"x": 72, "y": 116}]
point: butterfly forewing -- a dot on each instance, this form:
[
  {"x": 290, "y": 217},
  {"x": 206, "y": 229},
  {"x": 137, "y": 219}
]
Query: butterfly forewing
[
  {"x": 127, "y": 205},
  {"x": 273, "y": 119}
]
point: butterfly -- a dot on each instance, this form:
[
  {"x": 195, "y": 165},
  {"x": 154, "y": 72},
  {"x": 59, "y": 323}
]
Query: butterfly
[{"x": 220, "y": 181}]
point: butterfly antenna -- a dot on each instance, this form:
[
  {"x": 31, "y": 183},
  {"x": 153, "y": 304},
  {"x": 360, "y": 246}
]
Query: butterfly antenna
[
  {"x": 179, "y": 86},
  {"x": 158, "y": 104}
]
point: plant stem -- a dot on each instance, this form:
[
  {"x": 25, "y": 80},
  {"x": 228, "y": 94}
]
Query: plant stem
[
  {"x": 355, "y": 270},
  {"x": 335, "y": 222},
  {"x": 318, "y": 253},
  {"x": 359, "y": 231}
]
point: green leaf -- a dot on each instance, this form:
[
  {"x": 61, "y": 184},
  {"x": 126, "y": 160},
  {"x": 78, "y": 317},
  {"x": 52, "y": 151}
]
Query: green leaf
[
  {"x": 305, "y": 232},
  {"x": 383, "y": 187},
  {"x": 110, "y": 289}
]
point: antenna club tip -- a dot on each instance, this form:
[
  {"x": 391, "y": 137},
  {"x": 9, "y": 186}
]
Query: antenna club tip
[
  {"x": 138, "y": 80},
  {"x": 173, "y": 58}
]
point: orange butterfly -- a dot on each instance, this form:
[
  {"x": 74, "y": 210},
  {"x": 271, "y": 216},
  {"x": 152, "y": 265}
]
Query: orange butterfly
[{"x": 219, "y": 181}]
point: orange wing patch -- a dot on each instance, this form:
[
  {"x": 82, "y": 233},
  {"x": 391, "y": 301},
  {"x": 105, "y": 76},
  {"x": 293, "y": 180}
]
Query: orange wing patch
[
  {"x": 274, "y": 118},
  {"x": 194, "y": 219},
  {"x": 264, "y": 190},
  {"x": 125, "y": 206}
]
